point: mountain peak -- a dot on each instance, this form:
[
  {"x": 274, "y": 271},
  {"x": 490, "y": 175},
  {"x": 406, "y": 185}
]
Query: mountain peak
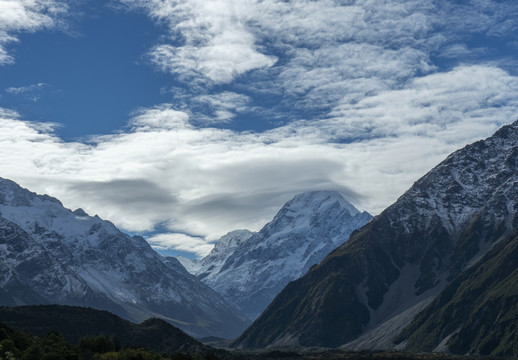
[
  {"x": 224, "y": 248},
  {"x": 320, "y": 200},
  {"x": 250, "y": 272},
  {"x": 12, "y": 194},
  {"x": 508, "y": 131},
  {"x": 232, "y": 239}
]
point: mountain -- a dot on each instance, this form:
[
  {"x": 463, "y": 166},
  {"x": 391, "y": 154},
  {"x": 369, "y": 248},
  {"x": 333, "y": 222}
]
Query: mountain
[
  {"x": 191, "y": 265},
  {"x": 77, "y": 322},
  {"x": 249, "y": 269},
  {"x": 211, "y": 264},
  {"x": 477, "y": 313},
  {"x": 216, "y": 258},
  {"x": 372, "y": 286},
  {"x": 51, "y": 255}
]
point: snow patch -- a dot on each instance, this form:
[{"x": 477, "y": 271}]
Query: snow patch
[
  {"x": 442, "y": 347},
  {"x": 380, "y": 337},
  {"x": 191, "y": 265}
]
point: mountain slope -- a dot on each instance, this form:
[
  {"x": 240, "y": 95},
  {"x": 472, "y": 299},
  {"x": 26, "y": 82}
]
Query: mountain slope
[
  {"x": 249, "y": 269},
  {"x": 477, "y": 313},
  {"x": 405, "y": 256},
  {"x": 191, "y": 265},
  {"x": 53, "y": 255}
]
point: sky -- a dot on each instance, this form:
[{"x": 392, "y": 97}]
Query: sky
[{"x": 182, "y": 120}]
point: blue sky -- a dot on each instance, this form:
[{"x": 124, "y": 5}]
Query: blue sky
[
  {"x": 183, "y": 120},
  {"x": 91, "y": 76}
]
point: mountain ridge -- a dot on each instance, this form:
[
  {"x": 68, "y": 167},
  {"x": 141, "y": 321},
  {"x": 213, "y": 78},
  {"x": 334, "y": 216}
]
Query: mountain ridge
[{"x": 70, "y": 258}]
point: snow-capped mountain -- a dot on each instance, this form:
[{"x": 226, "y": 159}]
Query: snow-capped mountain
[
  {"x": 249, "y": 269},
  {"x": 211, "y": 264},
  {"x": 191, "y": 265},
  {"x": 372, "y": 286},
  {"x": 50, "y": 254}
]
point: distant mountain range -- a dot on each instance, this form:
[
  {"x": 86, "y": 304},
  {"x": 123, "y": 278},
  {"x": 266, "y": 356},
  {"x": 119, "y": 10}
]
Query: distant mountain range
[
  {"x": 51, "y": 255},
  {"x": 250, "y": 269},
  {"x": 442, "y": 259}
]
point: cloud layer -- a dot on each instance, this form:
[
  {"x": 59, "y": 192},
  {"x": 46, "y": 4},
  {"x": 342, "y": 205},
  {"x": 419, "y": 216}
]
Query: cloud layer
[
  {"x": 207, "y": 181},
  {"x": 272, "y": 98},
  {"x": 17, "y": 16}
]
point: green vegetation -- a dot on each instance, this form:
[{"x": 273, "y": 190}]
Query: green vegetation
[
  {"x": 15, "y": 345},
  {"x": 78, "y": 324},
  {"x": 478, "y": 310}
]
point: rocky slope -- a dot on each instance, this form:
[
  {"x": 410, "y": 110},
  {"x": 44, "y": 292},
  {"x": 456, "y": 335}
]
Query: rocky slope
[
  {"x": 394, "y": 266},
  {"x": 249, "y": 269},
  {"x": 50, "y": 254}
]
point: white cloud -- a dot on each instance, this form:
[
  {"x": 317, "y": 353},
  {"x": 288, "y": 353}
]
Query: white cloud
[
  {"x": 26, "y": 15},
  {"x": 314, "y": 55},
  {"x": 432, "y": 105},
  {"x": 180, "y": 242},
  {"x": 162, "y": 117},
  {"x": 208, "y": 181},
  {"x": 31, "y": 92},
  {"x": 25, "y": 89},
  {"x": 219, "y": 62},
  {"x": 216, "y": 42},
  {"x": 222, "y": 107}
]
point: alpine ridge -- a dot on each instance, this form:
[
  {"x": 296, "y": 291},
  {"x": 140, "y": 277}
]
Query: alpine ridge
[
  {"x": 367, "y": 290},
  {"x": 51, "y": 255},
  {"x": 249, "y": 269}
]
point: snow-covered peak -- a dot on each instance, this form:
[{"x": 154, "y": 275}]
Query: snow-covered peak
[
  {"x": 458, "y": 187},
  {"x": 223, "y": 249},
  {"x": 318, "y": 201},
  {"x": 80, "y": 212},
  {"x": 44, "y": 216},
  {"x": 250, "y": 271},
  {"x": 227, "y": 243},
  {"x": 309, "y": 211},
  {"x": 13, "y": 194}
]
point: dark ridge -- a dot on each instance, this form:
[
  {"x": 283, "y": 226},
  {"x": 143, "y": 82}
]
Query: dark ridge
[{"x": 77, "y": 322}]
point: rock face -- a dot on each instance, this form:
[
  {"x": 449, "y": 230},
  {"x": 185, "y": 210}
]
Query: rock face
[
  {"x": 394, "y": 266},
  {"x": 250, "y": 269},
  {"x": 49, "y": 254}
]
